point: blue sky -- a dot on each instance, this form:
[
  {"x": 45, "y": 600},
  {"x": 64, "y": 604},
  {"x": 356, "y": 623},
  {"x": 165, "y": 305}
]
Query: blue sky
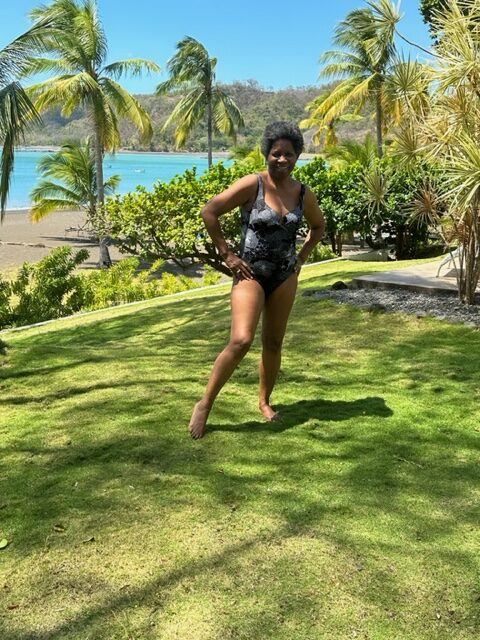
[{"x": 277, "y": 44}]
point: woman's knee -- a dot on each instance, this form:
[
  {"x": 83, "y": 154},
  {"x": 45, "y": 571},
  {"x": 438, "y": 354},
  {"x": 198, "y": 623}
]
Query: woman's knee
[
  {"x": 240, "y": 344},
  {"x": 272, "y": 343}
]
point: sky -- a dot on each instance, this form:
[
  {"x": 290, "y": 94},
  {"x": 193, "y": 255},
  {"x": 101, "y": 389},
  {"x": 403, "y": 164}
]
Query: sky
[{"x": 278, "y": 44}]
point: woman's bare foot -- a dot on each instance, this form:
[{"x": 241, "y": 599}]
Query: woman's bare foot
[
  {"x": 198, "y": 421},
  {"x": 269, "y": 412}
]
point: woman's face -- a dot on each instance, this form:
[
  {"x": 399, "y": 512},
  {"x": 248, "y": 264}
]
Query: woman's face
[{"x": 281, "y": 158}]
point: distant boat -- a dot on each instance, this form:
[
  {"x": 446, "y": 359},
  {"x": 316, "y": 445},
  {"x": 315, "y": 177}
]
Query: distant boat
[{"x": 139, "y": 170}]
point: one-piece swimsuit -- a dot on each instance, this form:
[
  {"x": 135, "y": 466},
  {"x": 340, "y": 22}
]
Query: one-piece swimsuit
[{"x": 268, "y": 240}]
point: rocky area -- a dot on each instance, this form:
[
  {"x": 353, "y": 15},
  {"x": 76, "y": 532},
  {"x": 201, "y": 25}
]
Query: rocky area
[{"x": 442, "y": 307}]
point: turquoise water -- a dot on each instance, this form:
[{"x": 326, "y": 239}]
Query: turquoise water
[{"x": 134, "y": 169}]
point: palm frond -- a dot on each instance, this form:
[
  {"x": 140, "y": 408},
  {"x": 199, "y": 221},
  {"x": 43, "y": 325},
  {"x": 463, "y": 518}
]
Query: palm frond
[
  {"x": 68, "y": 181},
  {"x": 347, "y": 93},
  {"x": 191, "y": 64},
  {"x": 133, "y": 66},
  {"x": 227, "y": 117},
  {"x": 111, "y": 184},
  {"x": 90, "y": 32},
  {"x": 105, "y": 120},
  {"x": 17, "y": 114},
  {"x": 188, "y": 112},
  {"x": 60, "y": 91},
  {"x": 59, "y": 66},
  {"x": 349, "y": 152},
  {"x": 126, "y": 106},
  {"x": 14, "y": 58},
  {"x": 50, "y": 205}
]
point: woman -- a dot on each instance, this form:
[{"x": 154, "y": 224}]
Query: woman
[{"x": 265, "y": 272}]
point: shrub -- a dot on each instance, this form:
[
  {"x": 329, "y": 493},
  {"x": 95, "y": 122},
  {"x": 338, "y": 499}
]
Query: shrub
[
  {"x": 51, "y": 289},
  {"x": 166, "y": 223},
  {"x": 46, "y": 290},
  {"x": 321, "y": 252},
  {"x": 210, "y": 276}
]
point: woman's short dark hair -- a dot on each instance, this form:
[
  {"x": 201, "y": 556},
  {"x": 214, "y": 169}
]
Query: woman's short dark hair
[{"x": 285, "y": 130}]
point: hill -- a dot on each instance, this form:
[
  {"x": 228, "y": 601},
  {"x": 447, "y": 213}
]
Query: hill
[{"x": 258, "y": 105}]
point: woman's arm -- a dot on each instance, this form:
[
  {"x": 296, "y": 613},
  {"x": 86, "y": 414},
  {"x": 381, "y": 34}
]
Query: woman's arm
[
  {"x": 316, "y": 221},
  {"x": 239, "y": 194}
]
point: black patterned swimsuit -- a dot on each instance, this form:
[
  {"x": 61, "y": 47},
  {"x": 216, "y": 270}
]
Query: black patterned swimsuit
[{"x": 268, "y": 240}]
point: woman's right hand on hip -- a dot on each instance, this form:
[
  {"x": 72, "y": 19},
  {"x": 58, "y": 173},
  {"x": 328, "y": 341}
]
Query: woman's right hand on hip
[{"x": 239, "y": 268}]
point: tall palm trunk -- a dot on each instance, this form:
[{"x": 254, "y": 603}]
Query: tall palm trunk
[
  {"x": 379, "y": 121},
  {"x": 209, "y": 127},
  {"x": 104, "y": 260}
]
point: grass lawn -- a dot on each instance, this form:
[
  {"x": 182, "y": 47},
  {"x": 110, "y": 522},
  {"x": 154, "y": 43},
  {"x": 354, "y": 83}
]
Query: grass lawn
[{"x": 356, "y": 517}]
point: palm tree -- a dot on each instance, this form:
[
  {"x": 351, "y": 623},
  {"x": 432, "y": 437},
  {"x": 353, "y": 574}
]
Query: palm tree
[
  {"x": 367, "y": 53},
  {"x": 192, "y": 69},
  {"x": 323, "y": 126},
  {"x": 74, "y": 184},
  {"x": 17, "y": 112},
  {"x": 251, "y": 156},
  {"x": 85, "y": 81},
  {"x": 350, "y": 152}
]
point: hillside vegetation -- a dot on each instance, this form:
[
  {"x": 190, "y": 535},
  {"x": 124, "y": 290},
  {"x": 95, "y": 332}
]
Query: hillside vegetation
[{"x": 258, "y": 105}]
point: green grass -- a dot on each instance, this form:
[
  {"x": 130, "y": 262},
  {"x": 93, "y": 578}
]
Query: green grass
[{"x": 356, "y": 517}]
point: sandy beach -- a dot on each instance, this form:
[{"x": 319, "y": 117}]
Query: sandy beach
[{"x": 22, "y": 241}]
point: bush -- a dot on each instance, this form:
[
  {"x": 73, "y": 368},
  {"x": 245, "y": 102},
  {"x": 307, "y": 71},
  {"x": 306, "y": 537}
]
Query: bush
[
  {"x": 50, "y": 289},
  {"x": 166, "y": 223},
  {"x": 372, "y": 201},
  {"x": 210, "y": 276},
  {"x": 43, "y": 291},
  {"x": 321, "y": 252}
]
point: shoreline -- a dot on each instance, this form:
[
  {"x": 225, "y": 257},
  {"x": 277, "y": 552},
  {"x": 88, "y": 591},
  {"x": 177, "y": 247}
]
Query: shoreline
[
  {"x": 200, "y": 154},
  {"x": 24, "y": 241},
  {"x": 54, "y": 148}
]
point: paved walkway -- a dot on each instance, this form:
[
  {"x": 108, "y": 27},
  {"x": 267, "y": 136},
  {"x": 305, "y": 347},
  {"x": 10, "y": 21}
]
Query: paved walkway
[{"x": 420, "y": 277}]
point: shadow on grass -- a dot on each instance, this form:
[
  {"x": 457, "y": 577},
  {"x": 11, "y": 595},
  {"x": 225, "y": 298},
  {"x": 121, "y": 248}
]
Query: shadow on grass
[
  {"x": 302, "y": 411},
  {"x": 358, "y": 462}
]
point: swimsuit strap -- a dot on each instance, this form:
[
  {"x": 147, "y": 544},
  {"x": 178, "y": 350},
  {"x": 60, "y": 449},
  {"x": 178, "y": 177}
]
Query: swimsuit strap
[
  {"x": 261, "y": 198},
  {"x": 302, "y": 195},
  {"x": 260, "y": 193}
]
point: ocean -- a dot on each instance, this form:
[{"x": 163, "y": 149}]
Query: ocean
[{"x": 134, "y": 169}]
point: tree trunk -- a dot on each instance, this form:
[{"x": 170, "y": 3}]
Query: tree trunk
[
  {"x": 469, "y": 257},
  {"x": 339, "y": 244},
  {"x": 209, "y": 129},
  {"x": 333, "y": 242},
  {"x": 379, "y": 121},
  {"x": 104, "y": 261},
  {"x": 400, "y": 244}
]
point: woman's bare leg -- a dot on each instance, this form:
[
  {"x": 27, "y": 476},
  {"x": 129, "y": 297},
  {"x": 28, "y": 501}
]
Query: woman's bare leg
[
  {"x": 275, "y": 318},
  {"x": 247, "y": 299}
]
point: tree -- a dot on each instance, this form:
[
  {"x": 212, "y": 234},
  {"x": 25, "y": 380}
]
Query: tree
[
  {"x": 325, "y": 133},
  {"x": 17, "y": 112},
  {"x": 86, "y": 81},
  {"x": 191, "y": 69},
  {"x": 166, "y": 223},
  {"x": 350, "y": 152},
  {"x": 450, "y": 136},
  {"x": 431, "y": 8},
  {"x": 75, "y": 182},
  {"x": 367, "y": 53}
]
